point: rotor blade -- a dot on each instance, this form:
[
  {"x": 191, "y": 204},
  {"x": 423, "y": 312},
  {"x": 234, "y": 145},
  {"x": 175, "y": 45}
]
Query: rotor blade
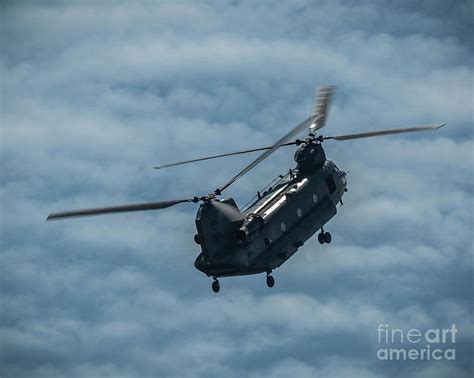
[
  {"x": 385, "y": 132},
  {"x": 321, "y": 107},
  {"x": 219, "y": 156},
  {"x": 296, "y": 130},
  {"x": 115, "y": 209}
]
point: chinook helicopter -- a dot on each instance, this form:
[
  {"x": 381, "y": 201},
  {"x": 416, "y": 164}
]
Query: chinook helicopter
[{"x": 264, "y": 233}]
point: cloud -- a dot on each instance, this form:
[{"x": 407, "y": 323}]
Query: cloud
[{"x": 94, "y": 95}]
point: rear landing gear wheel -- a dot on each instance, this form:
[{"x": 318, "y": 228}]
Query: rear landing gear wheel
[
  {"x": 327, "y": 237},
  {"x": 216, "y": 286},
  {"x": 324, "y": 237},
  {"x": 270, "y": 280},
  {"x": 321, "y": 238}
]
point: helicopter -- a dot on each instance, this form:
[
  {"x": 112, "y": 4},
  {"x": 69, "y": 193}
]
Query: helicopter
[{"x": 264, "y": 233}]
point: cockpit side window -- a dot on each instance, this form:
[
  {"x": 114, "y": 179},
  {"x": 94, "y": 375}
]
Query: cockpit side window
[{"x": 331, "y": 184}]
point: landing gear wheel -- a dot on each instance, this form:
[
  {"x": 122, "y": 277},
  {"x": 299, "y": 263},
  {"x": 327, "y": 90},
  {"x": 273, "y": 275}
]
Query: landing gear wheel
[
  {"x": 270, "y": 280},
  {"x": 216, "y": 286},
  {"x": 321, "y": 238},
  {"x": 327, "y": 237}
]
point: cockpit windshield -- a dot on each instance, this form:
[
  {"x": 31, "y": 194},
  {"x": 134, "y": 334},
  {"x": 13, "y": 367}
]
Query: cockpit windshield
[{"x": 341, "y": 174}]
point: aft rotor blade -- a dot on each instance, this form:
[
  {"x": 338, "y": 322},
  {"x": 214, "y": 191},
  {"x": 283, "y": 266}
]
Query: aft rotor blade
[
  {"x": 370, "y": 134},
  {"x": 116, "y": 209},
  {"x": 295, "y": 131},
  {"x": 219, "y": 156}
]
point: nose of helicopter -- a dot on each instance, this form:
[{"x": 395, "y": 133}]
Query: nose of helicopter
[
  {"x": 344, "y": 180},
  {"x": 341, "y": 179}
]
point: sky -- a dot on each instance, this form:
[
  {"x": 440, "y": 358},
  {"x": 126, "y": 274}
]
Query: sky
[{"x": 94, "y": 94}]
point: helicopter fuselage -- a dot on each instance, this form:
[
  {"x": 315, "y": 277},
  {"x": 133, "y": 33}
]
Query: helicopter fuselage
[
  {"x": 268, "y": 233},
  {"x": 270, "y": 228}
]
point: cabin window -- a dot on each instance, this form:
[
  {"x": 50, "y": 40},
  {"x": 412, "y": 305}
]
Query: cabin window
[{"x": 331, "y": 184}]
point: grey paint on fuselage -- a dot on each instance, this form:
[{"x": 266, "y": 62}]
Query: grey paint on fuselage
[{"x": 301, "y": 207}]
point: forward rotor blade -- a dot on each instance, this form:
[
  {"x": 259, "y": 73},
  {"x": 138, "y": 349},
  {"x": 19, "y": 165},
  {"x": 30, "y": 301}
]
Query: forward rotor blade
[
  {"x": 321, "y": 107},
  {"x": 385, "y": 132},
  {"x": 115, "y": 209},
  {"x": 295, "y": 131},
  {"x": 219, "y": 156}
]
